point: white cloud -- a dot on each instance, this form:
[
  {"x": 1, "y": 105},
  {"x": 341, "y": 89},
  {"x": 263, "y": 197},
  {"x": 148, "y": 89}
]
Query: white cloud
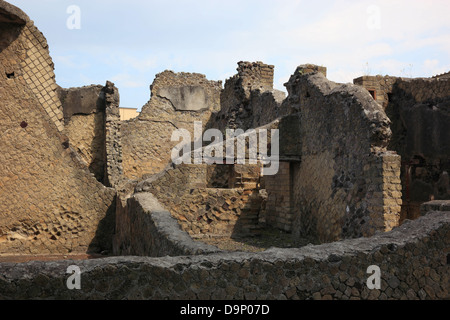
[
  {"x": 65, "y": 60},
  {"x": 130, "y": 43},
  {"x": 127, "y": 81},
  {"x": 396, "y": 67},
  {"x": 70, "y": 61},
  {"x": 139, "y": 63},
  {"x": 431, "y": 64},
  {"x": 437, "y": 42},
  {"x": 342, "y": 75},
  {"x": 434, "y": 67}
]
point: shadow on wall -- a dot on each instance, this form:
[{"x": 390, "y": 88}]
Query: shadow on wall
[
  {"x": 420, "y": 115},
  {"x": 8, "y": 34},
  {"x": 103, "y": 238},
  {"x": 248, "y": 222},
  {"x": 12, "y": 21},
  {"x": 98, "y": 165}
]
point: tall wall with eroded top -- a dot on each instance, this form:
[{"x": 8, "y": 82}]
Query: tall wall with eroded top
[
  {"x": 248, "y": 100},
  {"x": 347, "y": 183},
  {"x": 177, "y": 101},
  {"x": 49, "y": 200}
]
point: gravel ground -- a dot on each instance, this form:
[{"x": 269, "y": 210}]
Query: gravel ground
[{"x": 264, "y": 241}]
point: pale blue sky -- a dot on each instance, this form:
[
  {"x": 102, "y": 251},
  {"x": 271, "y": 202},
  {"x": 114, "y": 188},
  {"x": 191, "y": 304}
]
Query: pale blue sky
[{"x": 129, "y": 42}]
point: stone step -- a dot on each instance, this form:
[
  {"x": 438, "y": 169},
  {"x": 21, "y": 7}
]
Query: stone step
[{"x": 247, "y": 185}]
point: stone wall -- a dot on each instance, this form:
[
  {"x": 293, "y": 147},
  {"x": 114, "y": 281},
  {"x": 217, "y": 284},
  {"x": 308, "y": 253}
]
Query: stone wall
[
  {"x": 84, "y": 125},
  {"x": 145, "y": 228},
  {"x": 49, "y": 201},
  {"x": 248, "y": 99},
  {"x": 340, "y": 189},
  {"x": 279, "y": 205},
  {"x": 114, "y": 172},
  {"x": 92, "y": 126},
  {"x": 435, "y": 205},
  {"x": 337, "y": 185},
  {"x": 177, "y": 101},
  {"x": 419, "y": 111},
  {"x": 265, "y": 107},
  {"x": 420, "y": 114},
  {"x": 413, "y": 263},
  {"x": 203, "y": 211},
  {"x": 379, "y": 87},
  {"x": 29, "y": 60},
  {"x": 337, "y": 180},
  {"x": 255, "y": 76},
  {"x": 442, "y": 76}
]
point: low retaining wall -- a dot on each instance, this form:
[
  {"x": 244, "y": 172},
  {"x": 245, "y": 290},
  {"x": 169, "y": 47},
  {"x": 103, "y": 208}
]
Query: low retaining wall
[
  {"x": 412, "y": 259},
  {"x": 145, "y": 228}
]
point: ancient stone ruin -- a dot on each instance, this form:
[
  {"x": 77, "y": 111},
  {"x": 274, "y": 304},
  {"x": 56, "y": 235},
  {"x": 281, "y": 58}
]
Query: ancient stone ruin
[{"x": 362, "y": 179}]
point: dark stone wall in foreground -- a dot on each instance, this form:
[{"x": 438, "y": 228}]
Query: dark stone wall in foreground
[{"x": 413, "y": 262}]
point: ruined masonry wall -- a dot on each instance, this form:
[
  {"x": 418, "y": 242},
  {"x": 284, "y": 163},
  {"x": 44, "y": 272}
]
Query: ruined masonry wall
[
  {"x": 340, "y": 188},
  {"x": 381, "y": 86},
  {"x": 248, "y": 100},
  {"x": 420, "y": 114},
  {"x": 146, "y": 140},
  {"x": 31, "y": 61},
  {"x": 412, "y": 261},
  {"x": 145, "y": 228},
  {"x": 38, "y": 73},
  {"x": 279, "y": 210},
  {"x": 419, "y": 111},
  {"x": 255, "y": 76},
  {"x": 114, "y": 171},
  {"x": 420, "y": 89},
  {"x": 203, "y": 211},
  {"x": 86, "y": 135},
  {"x": 49, "y": 201},
  {"x": 423, "y": 89},
  {"x": 84, "y": 125}
]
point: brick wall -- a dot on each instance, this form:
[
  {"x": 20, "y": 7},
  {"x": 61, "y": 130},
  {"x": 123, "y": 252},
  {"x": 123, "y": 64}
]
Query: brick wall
[
  {"x": 255, "y": 76},
  {"x": 379, "y": 87},
  {"x": 248, "y": 99},
  {"x": 384, "y": 197},
  {"x": 279, "y": 187}
]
